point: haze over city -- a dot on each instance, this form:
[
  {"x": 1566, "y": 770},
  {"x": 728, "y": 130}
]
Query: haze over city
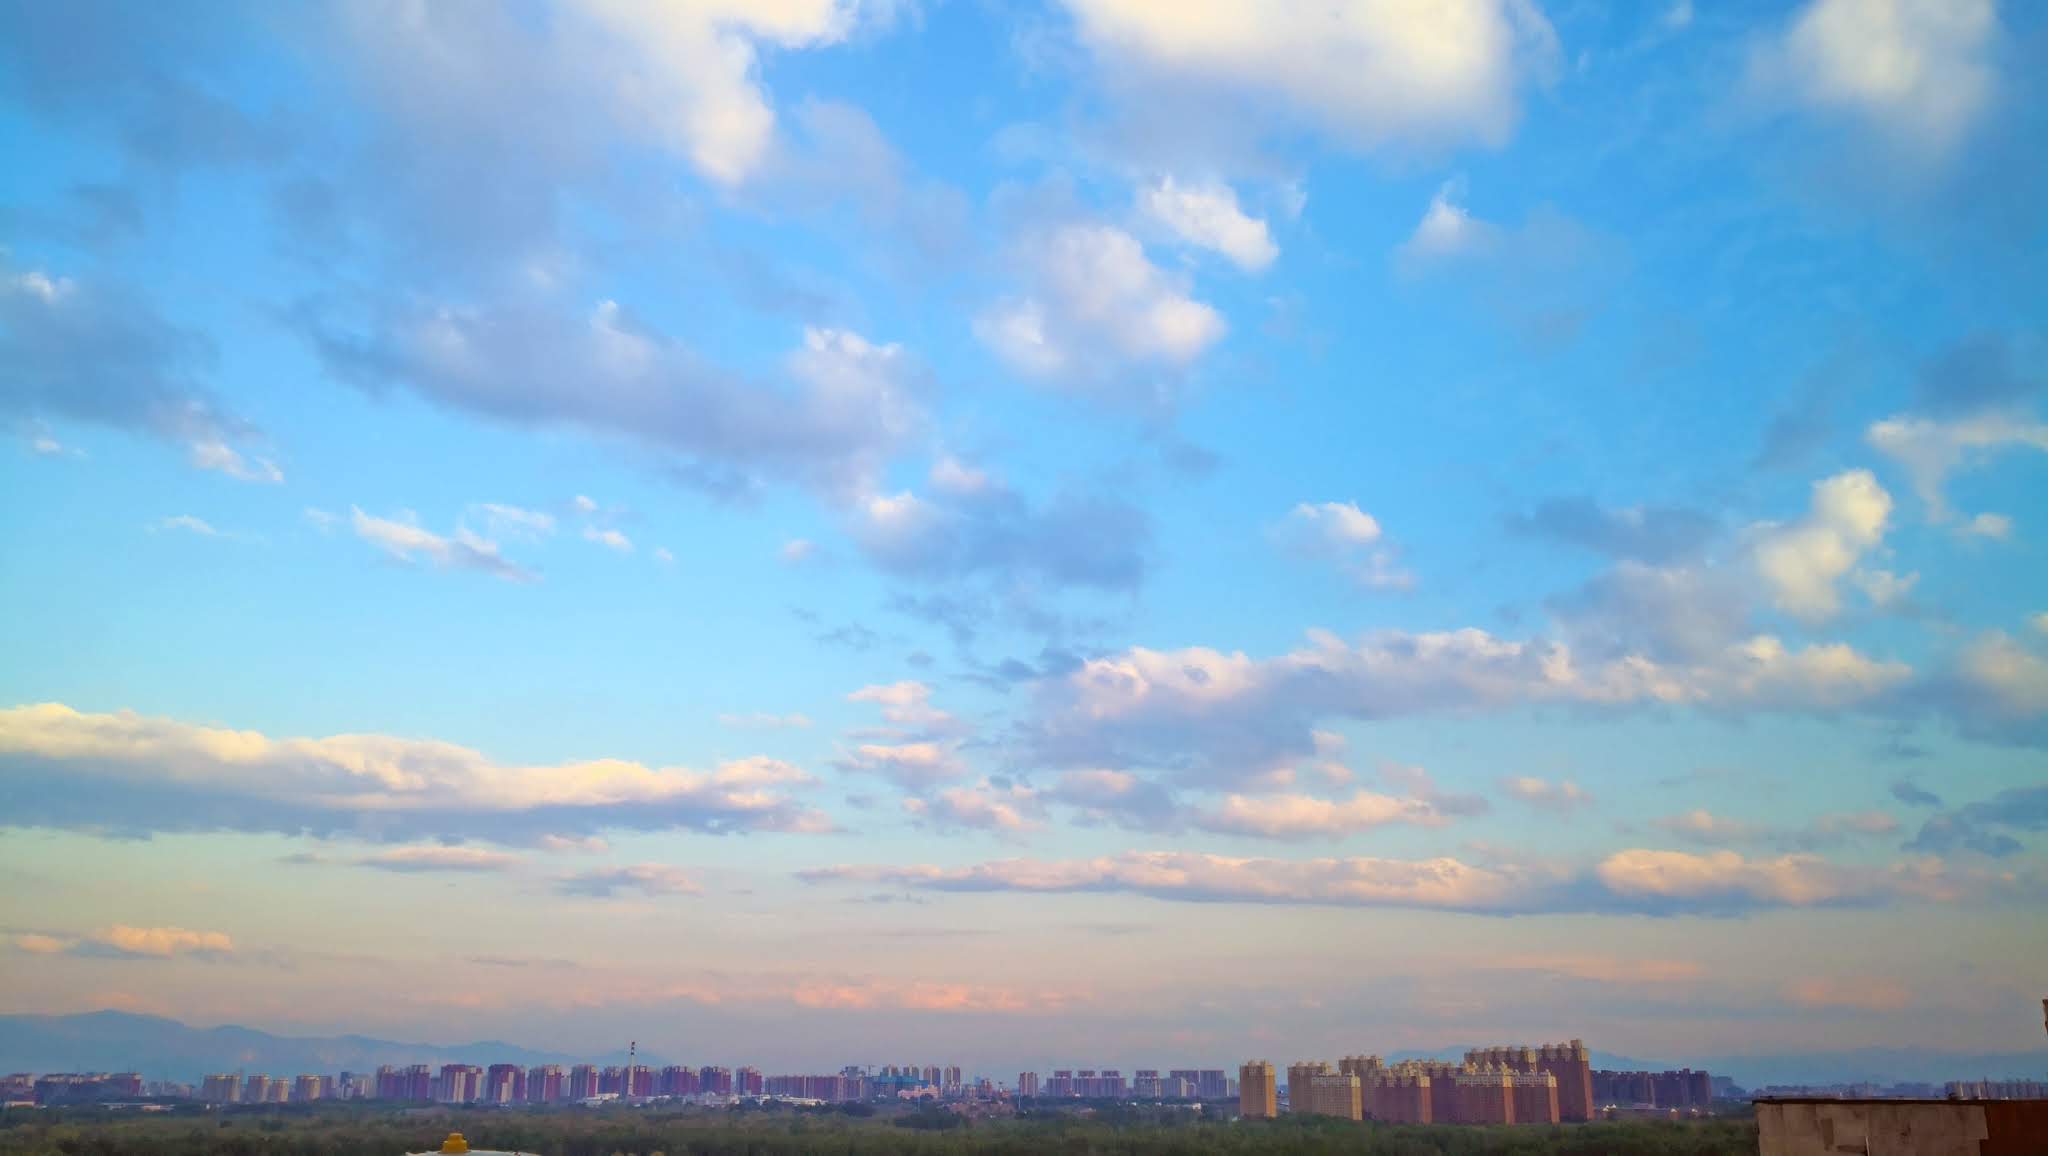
[{"x": 1030, "y": 536}]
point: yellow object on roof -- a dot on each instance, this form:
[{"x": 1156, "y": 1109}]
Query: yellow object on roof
[{"x": 455, "y": 1143}]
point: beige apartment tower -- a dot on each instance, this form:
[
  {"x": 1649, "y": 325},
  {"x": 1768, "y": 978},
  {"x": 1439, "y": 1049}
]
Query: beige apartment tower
[
  {"x": 1258, "y": 1090},
  {"x": 1317, "y": 1089}
]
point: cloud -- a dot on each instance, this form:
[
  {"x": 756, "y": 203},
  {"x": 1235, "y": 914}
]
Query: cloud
[
  {"x": 436, "y": 858},
  {"x": 1563, "y": 795},
  {"x": 188, "y": 524},
  {"x": 985, "y": 806},
  {"x": 590, "y": 844},
  {"x": 1372, "y": 74},
  {"x": 1914, "y": 795},
  {"x": 129, "y": 773},
  {"x": 1230, "y": 717},
  {"x": 1727, "y": 879},
  {"x": 96, "y": 353},
  {"x": 1446, "y": 232},
  {"x": 907, "y": 703},
  {"x": 829, "y": 419},
  {"x": 1076, "y": 539},
  {"x": 1188, "y": 876},
  {"x": 1918, "y": 72},
  {"x": 609, "y": 539},
  {"x": 1703, "y": 826},
  {"x": 122, "y": 941},
  {"x": 1658, "y": 535},
  {"x": 1308, "y": 817},
  {"x": 1860, "y": 993},
  {"x": 1095, "y": 305},
  {"x": 1930, "y": 450},
  {"x": 405, "y": 541},
  {"x": 1996, "y": 527},
  {"x": 1988, "y": 827},
  {"x": 1340, "y": 532},
  {"x": 1207, "y": 217},
  {"x": 1627, "y": 882},
  {"x": 503, "y": 521},
  {"x": 797, "y": 551},
  {"x": 650, "y": 879},
  {"x": 1802, "y": 562},
  {"x": 1607, "y": 969}
]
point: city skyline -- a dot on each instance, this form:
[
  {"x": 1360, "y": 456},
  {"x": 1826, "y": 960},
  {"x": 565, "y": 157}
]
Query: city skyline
[{"x": 1028, "y": 529}]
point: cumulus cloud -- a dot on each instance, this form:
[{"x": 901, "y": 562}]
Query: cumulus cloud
[
  {"x": 1342, "y": 533},
  {"x": 1446, "y": 232},
  {"x": 1992, "y": 827},
  {"x": 122, "y": 941},
  {"x": 608, "y": 538},
  {"x": 649, "y": 879},
  {"x": 1931, "y": 449},
  {"x": 1075, "y": 539},
  {"x": 1095, "y": 303},
  {"x": 840, "y": 406},
  {"x": 404, "y": 540},
  {"x": 130, "y": 773},
  {"x": 1562, "y": 795},
  {"x": 1726, "y": 878},
  {"x": 1230, "y": 717},
  {"x": 918, "y": 749},
  {"x": 1005, "y": 810},
  {"x": 1918, "y": 72},
  {"x": 1289, "y": 816},
  {"x": 1368, "y": 74},
  {"x": 96, "y": 353},
  {"x": 1801, "y": 563},
  {"x": 1206, "y": 215}
]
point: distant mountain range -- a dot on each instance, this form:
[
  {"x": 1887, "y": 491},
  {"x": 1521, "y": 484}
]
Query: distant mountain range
[{"x": 164, "y": 1049}]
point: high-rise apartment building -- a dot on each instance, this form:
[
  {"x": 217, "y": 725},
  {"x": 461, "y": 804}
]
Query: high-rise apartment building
[
  {"x": 583, "y": 1081},
  {"x": 460, "y": 1084},
  {"x": 221, "y": 1089},
  {"x": 1536, "y": 1097},
  {"x": 306, "y": 1089},
  {"x": 955, "y": 1079},
  {"x": 547, "y": 1084},
  {"x": 256, "y": 1090},
  {"x": 748, "y": 1082},
  {"x": 1258, "y": 1090},
  {"x": 1315, "y": 1088},
  {"x": 716, "y": 1081},
  {"x": 1484, "y": 1096},
  {"x": 1027, "y": 1083},
  {"x": 1209, "y": 1083},
  {"x": 1570, "y": 1062},
  {"x": 504, "y": 1084}
]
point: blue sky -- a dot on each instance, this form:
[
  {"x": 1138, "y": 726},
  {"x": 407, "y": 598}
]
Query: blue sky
[{"x": 1035, "y": 532}]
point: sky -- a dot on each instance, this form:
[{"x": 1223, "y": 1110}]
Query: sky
[{"x": 811, "y": 532}]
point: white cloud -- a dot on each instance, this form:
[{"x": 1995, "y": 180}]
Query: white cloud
[
  {"x": 1095, "y": 302},
  {"x": 224, "y": 458},
  {"x": 689, "y": 73},
  {"x": 1446, "y": 231},
  {"x": 663, "y": 555},
  {"x": 188, "y": 524},
  {"x": 1305, "y": 816},
  {"x": 404, "y": 540},
  {"x": 1370, "y": 73},
  {"x": 1207, "y": 216},
  {"x": 2006, "y": 676},
  {"x": 1342, "y": 533},
  {"x": 1997, "y": 527},
  {"x": 953, "y": 476},
  {"x": 440, "y": 858},
  {"x": 2039, "y": 622},
  {"x": 129, "y": 772},
  {"x": 1004, "y": 810},
  {"x": 164, "y": 942},
  {"x": 1930, "y": 450},
  {"x": 1802, "y": 562},
  {"x": 321, "y": 520},
  {"x": 504, "y": 521},
  {"x": 1357, "y": 882},
  {"x": 798, "y": 550},
  {"x": 1703, "y": 826},
  {"x": 1884, "y": 588},
  {"x": 1563, "y": 795},
  {"x": 652, "y": 880},
  {"x": 1789, "y": 880},
  {"x": 906, "y": 703},
  {"x": 608, "y": 538},
  {"x": 1919, "y": 71},
  {"x": 762, "y": 720}
]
